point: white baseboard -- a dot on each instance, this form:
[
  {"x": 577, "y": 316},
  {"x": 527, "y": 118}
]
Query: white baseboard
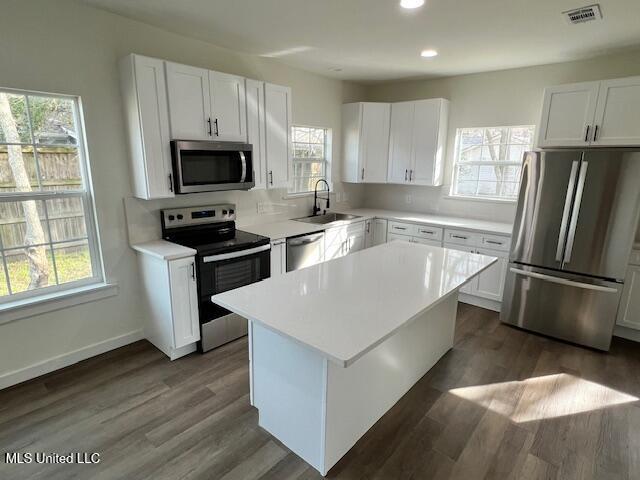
[
  {"x": 479, "y": 302},
  {"x": 628, "y": 333},
  {"x": 27, "y": 373}
]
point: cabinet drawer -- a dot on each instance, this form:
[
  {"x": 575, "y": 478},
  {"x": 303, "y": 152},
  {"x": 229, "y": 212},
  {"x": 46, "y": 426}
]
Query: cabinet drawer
[
  {"x": 356, "y": 228},
  {"x": 401, "y": 228},
  {"x": 462, "y": 237},
  {"x": 495, "y": 242},
  {"x": 394, "y": 236},
  {"x": 635, "y": 258},
  {"x": 431, "y": 233},
  {"x": 426, "y": 241}
]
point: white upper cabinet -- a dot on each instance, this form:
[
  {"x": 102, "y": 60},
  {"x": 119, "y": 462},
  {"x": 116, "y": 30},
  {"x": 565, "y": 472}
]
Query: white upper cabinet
[
  {"x": 147, "y": 117},
  {"x": 591, "y": 114},
  {"x": 228, "y": 111},
  {"x": 256, "y": 130},
  {"x": 430, "y": 120},
  {"x": 205, "y": 105},
  {"x": 618, "y": 113},
  {"x": 365, "y": 129},
  {"x": 189, "y": 102},
  {"x": 400, "y": 139},
  {"x": 417, "y": 141},
  {"x": 277, "y": 101}
]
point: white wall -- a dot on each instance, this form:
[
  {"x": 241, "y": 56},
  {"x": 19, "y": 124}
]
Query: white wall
[
  {"x": 508, "y": 97},
  {"x": 64, "y": 46}
]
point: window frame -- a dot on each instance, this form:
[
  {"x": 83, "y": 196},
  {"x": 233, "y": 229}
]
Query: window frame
[
  {"x": 327, "y": 158},
  {"x": 86, "y": 198},
  {"x": 457, "y": 163}
]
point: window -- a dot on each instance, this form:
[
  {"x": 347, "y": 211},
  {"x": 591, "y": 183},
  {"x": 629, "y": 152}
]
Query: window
[
  {"x": 311, "y": 151},
  {"x": 488, "y": 160},
  {"x": 47, "y": 230}
]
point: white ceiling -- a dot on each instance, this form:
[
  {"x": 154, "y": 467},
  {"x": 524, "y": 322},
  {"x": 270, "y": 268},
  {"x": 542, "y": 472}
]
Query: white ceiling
[{"x": 372, "y": 40}]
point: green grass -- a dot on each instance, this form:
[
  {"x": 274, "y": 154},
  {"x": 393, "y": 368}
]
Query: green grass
[{"x": 72, "y": 265}]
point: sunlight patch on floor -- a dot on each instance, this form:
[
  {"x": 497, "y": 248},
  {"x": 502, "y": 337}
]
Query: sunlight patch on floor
[{"x": 540, "y": 398}]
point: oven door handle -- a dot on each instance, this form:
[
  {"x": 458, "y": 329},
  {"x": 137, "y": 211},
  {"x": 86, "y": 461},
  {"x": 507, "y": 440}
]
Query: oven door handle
[
  {"x": 239, "y": 253},
  {"x": 243, "y": 160}
]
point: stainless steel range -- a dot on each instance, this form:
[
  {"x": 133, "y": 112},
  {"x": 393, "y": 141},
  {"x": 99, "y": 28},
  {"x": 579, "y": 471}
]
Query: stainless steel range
[{"x": 226, "y": 258}]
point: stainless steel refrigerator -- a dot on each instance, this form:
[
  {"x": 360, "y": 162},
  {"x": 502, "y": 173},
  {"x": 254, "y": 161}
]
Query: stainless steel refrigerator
[{"x": 574, "y": 229}]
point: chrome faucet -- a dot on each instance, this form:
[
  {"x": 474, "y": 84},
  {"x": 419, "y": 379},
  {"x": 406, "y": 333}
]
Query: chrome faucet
[{"x": 316, "y": 208}]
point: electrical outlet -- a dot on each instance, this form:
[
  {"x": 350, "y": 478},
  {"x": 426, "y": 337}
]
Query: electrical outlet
[{"x": 408, "y": 199}]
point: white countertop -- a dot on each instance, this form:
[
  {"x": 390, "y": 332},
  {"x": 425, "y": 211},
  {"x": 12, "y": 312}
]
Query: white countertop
[
  {"x": 164, "y": 250},
  {"x": 345, "y": 307},
  {"x": 291, "y": 228}
]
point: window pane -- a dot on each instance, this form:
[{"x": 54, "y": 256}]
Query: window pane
[
  {"x": 30, "y": 268},
  {"x": 4, "y": 288},
  {"x": 14, "y": 124},
  {"x": 466, "y": 187},
  {"x": 471, "y": 154},
  {"x": 300, "y": 134},
  {"x": 73, "y": 261},
  {"x": 516, "y": 153},
  {"x": 493, "y": 136},
  {"x": 487, "y": 189},
  {"x": 317, "y": 151},
  {"x": 301, "y": 151},
  {"x": 66, "y": 219},
  {"x": 52, "y": 120},
  {"x": 17, "y": 169},
  {"x": 22, "y": 223},
  {"x": 470, "y": 137},
  {"x": 467, "y": 172},
  {"x": 522, "y": 135},
  {"x": 316, "y": 135},
  {"x": 59, "y": 168}
]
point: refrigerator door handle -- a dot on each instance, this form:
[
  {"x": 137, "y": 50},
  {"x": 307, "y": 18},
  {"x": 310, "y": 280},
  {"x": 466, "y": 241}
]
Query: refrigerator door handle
[
  {"x": 575, "y": 212},
  {"x": 563, "y": 281},
  {"x": 567, "y": 210}
]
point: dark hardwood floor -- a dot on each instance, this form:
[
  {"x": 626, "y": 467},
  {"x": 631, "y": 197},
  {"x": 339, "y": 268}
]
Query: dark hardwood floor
[{"x": 502, "y": 404}]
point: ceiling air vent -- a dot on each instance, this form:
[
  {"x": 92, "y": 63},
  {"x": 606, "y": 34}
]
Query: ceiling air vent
[{"x": 583, "y": 14}]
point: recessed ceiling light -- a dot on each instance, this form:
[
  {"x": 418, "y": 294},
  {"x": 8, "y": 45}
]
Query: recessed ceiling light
[
  {"x": 428, "y": 53},
  {"x": 411, "y": 3}
]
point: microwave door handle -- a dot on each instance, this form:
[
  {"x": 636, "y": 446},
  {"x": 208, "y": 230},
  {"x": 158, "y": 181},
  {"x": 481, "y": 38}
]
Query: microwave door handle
[
  {"x": 575, "y": 212},
  {"x": 243, "y": 161},
  {"x": 567, "y": 210}
]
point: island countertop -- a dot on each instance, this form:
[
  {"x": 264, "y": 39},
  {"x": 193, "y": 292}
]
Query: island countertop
[{"x": 345, "y": 307}]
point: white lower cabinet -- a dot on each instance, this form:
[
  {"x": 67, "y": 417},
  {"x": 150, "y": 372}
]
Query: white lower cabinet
[
  {"x": 278, "y": 257},
  {"x": 342, "y": 240},
  {"x": 375, "y": 232},
  {"x": 629, "y": 310},
  {"x": 171, "y": 291},
  {"x": 490, "y": 283}
]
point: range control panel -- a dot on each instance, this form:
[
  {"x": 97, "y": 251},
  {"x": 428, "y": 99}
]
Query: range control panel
[{"x": 205, "y": 214}]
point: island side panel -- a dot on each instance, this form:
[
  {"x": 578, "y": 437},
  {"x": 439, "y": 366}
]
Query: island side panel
[
  {"x": 357, "y": 396},
  {"x": 289, "y": 391}
]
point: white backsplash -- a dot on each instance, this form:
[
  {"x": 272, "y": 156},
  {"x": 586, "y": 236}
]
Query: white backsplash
[{"x": 143, "y": 216}]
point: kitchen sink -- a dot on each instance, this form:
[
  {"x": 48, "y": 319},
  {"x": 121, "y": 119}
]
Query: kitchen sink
[{"x": 327, "y": 218}]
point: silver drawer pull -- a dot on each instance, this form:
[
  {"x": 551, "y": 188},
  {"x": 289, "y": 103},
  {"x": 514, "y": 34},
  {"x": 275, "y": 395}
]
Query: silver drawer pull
[
  {"x": 430, "y": 232},
  {"x": 400, "y": 228},
  {"x": 460, "y": 237},
  {"x": 563, "y": 281},
  {"x": 493, "y": 242}
]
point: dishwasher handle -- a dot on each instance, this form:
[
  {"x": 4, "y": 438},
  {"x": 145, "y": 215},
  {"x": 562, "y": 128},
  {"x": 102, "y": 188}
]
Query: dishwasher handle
[{"x": 304, "y": 240}]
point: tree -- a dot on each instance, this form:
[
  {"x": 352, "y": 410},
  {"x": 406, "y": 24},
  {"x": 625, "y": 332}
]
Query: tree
[{"x": 36, "y": 255}]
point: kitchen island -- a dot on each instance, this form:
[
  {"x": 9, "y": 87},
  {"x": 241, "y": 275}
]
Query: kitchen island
[{"x": 334, "y": 346}]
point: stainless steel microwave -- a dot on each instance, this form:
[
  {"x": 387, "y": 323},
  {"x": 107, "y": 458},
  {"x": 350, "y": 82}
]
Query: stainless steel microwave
[{"x": 202, "y": 166}]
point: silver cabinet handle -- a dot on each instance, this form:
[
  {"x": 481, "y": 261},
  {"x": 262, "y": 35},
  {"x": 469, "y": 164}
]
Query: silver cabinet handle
[
  {"x": 429, "y": 232},
  {"x": 575, "y": 212},
  {"x": 399, "y": 228},
  {"x": 565, "y": 212},
  {"x": 586, "y": 134},
  {"x": 362, "y": 176},
  {"x": 217, "y": 130},
  {"x": 406, "y": 172},
  {"x": 493, "y": 242},
  {"x": 193, "y": 270},
  {"x": 209, "y": 122},
  {"x": 595, "y": 133},
  {"x": 271, "y": 177},
  {"x": 563, "y": 281},
  {"x": 241, "y": 253},
  {"x": 305, "y": 240},
  {"x": 170, "y": 182},
  {"x": 410, "y": 175},
  {"x": 459, "y": 236}
]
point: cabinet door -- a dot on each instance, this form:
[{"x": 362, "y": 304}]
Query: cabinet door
[
  {"x": 144, "y": 92},
  {"x": 228, "y": 109},
  {"x": 278, "y": 122},
  {"x": 491, "y": 282},
  {"x": 189, "y": 102},
  {"x": 400, "y": 140},
  {"x": 426, "y": 155},
  {"x": 629, "y": 311},
  {"x": 256, "y": 130},
  {"x": 278, "y": 257},
  {"x": 396, "y": 236},
  {"x": 567, "y": 115},
  {"x": 374, "y": 138},
  {"x": 617, "y": 116},
  {"x": 354, "y": 243},
  {"x": 471, "y": 287},
  {"x": 184, "y": 301},
  {"x": 368, "y": 233},
  {"x": 379, "y": 231},
  {"x": 335, "y": 241}
]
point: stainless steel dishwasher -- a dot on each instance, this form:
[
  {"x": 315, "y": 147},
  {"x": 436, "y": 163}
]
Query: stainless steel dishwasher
[{"x": 305, "y": 250}]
